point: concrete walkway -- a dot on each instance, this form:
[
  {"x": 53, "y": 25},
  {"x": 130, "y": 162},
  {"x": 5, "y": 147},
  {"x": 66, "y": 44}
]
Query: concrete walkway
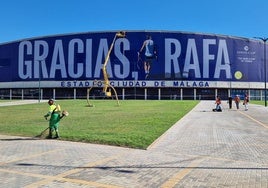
[
  {"x": 203, "y": 149},
  {"x": 20, "y": 102}
]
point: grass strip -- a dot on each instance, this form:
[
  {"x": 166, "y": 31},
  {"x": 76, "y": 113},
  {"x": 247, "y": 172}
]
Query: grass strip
[{"x": 134, "y": 124}]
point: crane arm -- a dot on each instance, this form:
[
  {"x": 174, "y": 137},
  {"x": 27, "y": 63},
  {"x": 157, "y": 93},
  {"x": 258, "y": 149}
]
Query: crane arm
[{"x": 120, "y": 34}]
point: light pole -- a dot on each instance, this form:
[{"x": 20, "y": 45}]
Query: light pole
[
  {"x": 230, "y": 84},
  {"x": 264, "y": 60},
  {"x": 39, "y": 84}
]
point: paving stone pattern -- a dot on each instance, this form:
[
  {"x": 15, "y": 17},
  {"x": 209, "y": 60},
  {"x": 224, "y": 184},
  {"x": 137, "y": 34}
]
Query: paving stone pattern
[{"x": 203, "y": 149}]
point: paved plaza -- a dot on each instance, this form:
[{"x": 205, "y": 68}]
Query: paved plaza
[{"x": 203, "y": 149}]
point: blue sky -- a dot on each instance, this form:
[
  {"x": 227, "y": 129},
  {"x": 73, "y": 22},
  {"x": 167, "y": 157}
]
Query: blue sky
[{"x": 35, "y": 18}]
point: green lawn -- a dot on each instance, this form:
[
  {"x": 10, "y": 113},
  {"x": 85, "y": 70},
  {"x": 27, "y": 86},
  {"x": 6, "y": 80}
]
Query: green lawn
[
  {"x": 256, "y": 102},
  {"x": 135, "y": 123}
]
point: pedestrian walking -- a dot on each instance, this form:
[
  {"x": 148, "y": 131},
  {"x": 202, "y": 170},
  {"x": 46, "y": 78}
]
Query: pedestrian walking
[
  {"x": 246, "y": 101},
  {"x": 237, "y": 101},
  {"x": 230, "y": 101}
]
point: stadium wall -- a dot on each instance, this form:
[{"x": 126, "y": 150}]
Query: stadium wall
[{"x": 188, "y": 65}]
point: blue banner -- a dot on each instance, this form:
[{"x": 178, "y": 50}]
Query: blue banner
[{"x": 173, "y": 56}]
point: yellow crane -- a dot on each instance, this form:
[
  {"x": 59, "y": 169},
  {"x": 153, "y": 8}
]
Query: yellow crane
[{"x": 106, "y": 83}]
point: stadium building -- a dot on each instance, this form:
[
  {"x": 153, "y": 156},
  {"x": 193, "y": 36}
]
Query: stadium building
[{"x": 184, "y": 66}]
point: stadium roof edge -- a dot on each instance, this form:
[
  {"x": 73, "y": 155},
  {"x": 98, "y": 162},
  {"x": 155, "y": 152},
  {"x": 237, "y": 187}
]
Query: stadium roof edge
[{"x": 109, "y": 31}]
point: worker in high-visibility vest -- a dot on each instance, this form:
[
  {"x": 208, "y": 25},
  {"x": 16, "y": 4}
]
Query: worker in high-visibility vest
[{"x": 55, "y": 116}]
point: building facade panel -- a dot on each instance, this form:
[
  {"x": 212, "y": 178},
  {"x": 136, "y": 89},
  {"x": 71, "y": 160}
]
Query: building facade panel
[{"x": 197, "y": 63}]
